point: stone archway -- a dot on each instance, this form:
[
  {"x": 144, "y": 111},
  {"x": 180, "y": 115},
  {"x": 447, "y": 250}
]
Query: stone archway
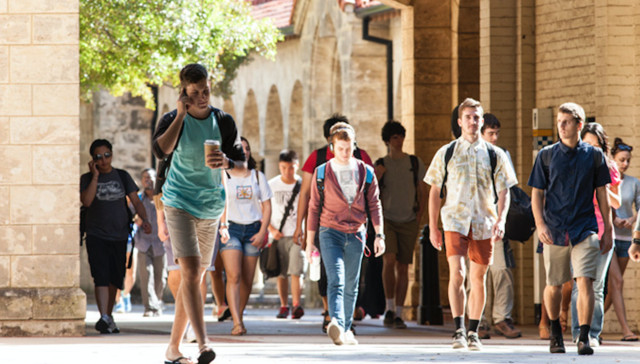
[
  {"x": 273, "y": 133},
  {"x": 295, "y": 120},
  {"x": 326, "y": 90},
  {"x": 250, "y": 124}
]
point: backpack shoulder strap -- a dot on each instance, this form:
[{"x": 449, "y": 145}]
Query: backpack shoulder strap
[
  {"x": 321, "y": 155},
  {"x": 493, "y": 159},
  {"x": 414, "y": 169},
  {"x": 447, "y": 157},
  {"x": 320, "y": 171},
  {"x": 368, "y": 179},
  {"x": 357, "y": 153}
]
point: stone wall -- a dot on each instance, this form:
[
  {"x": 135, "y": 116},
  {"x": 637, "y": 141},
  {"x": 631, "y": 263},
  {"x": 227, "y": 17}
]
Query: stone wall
[{"x": 39, "y": 138}]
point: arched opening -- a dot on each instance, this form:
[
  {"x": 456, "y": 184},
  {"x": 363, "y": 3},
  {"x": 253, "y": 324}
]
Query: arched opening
[
  {"x": 326, "y": 90},
  {"x": 250, "y": 124},
  {"x": 273, "y": 133},
  {"x": 295, "y": 120}
]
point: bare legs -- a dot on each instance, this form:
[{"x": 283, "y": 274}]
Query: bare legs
[
  {"x": 189, "y": 306},
  {"x": 457, "y": 294},
  {"x": 615, "y": 296}
]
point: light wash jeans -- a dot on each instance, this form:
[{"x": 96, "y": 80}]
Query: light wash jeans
[
  {"x": 342, "y": 257},
  {"x": 598, "y": 306}
]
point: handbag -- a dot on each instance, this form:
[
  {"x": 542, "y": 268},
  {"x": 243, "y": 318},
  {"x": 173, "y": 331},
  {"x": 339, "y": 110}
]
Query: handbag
[{"x": 269, "y": 259}]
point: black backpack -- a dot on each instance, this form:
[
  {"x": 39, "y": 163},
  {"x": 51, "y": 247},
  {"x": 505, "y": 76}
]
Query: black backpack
[
  {"x": 414, "y": 169},
  {"x": 520, "y": 223}
]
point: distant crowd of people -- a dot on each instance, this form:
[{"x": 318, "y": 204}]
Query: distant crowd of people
[{"x": 209, "y": 208}]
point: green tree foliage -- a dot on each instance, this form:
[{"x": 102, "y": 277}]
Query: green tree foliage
[{"x": 127, "y": 45}]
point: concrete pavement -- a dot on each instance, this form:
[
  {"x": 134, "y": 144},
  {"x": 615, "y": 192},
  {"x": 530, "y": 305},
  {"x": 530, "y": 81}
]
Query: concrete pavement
[{"x": 269, "y": 340}]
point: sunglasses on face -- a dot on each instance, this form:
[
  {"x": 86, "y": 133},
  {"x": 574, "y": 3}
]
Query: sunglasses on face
[{"x": 97, "y": 157}]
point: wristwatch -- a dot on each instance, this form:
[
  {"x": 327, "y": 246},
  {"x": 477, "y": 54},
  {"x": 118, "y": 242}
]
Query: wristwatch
[
  {"x": 636, "y": 241},
  {"x": 381, "y": 236}
]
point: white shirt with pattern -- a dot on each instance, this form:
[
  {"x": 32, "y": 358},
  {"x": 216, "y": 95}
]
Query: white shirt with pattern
[{"x": 470, "y": 199}]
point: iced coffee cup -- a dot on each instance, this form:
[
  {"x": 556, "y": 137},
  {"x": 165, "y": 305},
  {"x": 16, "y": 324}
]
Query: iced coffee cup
[{"x": 210, "y": 146}]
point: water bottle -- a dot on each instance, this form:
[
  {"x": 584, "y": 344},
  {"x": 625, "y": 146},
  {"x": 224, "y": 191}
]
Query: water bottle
[{"x": 314, "y": 268}]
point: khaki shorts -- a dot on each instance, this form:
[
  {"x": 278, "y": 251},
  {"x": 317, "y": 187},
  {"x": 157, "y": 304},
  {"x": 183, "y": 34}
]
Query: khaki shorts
[
  {"x": 401, "y": 239},
  {"x": 583, "y": 257},
  {"x": 293, "y": 261},
  {"x": 191, "y": 236},
  {"x": 480, "y": 251}
]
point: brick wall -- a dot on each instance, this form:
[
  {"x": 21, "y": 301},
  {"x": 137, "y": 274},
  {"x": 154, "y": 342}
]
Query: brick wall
[{"x": 39, "y": 135}]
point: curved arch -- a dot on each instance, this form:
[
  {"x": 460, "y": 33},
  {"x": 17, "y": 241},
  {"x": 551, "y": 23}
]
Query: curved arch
[
  {"x": 326, "y": 91},
  {"x": 273, "y": 133},
  {"x": 251, "y": 124},
  {"x": 295, "y": 119},
  {"x": 274, "y": 137}
]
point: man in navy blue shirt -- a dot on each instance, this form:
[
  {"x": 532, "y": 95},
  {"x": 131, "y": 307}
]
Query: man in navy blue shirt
[{"x": 564, "y": 178}]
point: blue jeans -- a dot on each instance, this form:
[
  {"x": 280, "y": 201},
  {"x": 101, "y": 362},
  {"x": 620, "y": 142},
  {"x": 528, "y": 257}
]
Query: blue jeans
[
  {"x": 598, "y": 306},
  {"x": 342, "y": 257},
  {"x": 240, "y": 238}
]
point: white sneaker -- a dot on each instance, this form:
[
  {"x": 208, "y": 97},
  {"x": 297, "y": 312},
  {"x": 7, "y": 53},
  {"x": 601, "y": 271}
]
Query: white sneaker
[
  {"x": 349, "y": 339},
  {"x": 473, "y": 341},
  {"x": 335, "y": 332},
  {"x": 593, "y": 342},
  {"x": 459, "y": 339}
]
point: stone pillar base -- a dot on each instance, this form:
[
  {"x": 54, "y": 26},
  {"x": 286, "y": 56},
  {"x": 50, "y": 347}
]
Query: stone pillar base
[{"x": 42, "y": 312}]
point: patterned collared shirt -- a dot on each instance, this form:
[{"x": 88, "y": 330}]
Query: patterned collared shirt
[{"x": 470, "y": 199}]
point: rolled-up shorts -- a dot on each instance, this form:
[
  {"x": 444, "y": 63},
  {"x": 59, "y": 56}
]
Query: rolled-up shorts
[
  {"x": 171, "y": 262},
  {"x": 293, "y": 261},
  {"x": 191, "y": 236},
  {"x": 240, "y": 238},
  {"x": 622, "y": 248},
  {"x": 583, "y": 257}
]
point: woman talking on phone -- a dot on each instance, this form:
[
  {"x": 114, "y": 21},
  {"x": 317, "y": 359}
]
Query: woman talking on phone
[{"x": 345, "y": 190}]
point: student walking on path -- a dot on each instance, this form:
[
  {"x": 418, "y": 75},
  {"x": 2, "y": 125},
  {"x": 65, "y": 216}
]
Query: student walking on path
[
  {"x": 623, "y": 222},
  {"x": 403, "y": 195},
  {"x": 475, "y": 177},
  {"x": 243, "y": 232},
  {"x": 594, "y": 135},
  {"x": 345, "y": 189},
  {"x": 564, "y": 178},
  {"x": 103, "y": 192},
  {"x": 194, "y": 196}
]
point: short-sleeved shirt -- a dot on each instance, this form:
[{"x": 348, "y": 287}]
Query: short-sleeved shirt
[
  {"x": 281, "y": 195},
  {"x": 398, "y": 190},
  {"x": 630, "y": 195},
  {"x": 311, "y": 162},
  {"x": 191, "y": 185},
  {"x": 569, "y": 182},
  {"x": 107, "y": 217},
  {"x": 145, "y": 241},
  {"x": 470, "y": 197},
  {"x": 246, "y": 195}
]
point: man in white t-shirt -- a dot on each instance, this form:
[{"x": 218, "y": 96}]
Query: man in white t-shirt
[{"x": 285, "y": 188}]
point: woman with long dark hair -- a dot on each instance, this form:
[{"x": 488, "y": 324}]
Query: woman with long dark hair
[
  {"x": 243, "y": 230},
  {"x": 623, "y": 223}
]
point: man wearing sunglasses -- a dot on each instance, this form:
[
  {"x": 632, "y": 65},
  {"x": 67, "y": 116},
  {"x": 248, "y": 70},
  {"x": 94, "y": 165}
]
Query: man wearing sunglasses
[{"x": 103, "y": 192}]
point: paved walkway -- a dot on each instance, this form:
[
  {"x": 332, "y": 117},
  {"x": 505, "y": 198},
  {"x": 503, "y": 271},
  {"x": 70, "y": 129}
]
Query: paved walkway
[{"x": 269, "y": 340}]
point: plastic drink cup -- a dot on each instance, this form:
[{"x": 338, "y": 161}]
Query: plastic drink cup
[{"x": 314, "y": 267}]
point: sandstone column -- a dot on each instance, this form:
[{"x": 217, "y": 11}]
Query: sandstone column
[{"x": 39, "y": 138}]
